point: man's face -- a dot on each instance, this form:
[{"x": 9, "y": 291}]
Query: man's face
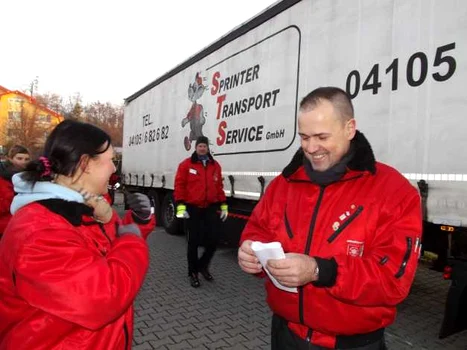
[
  {"x": 325, "y": 137},
  {"x": 202, "y": 149},
  {"x": 21, "y": 160}
]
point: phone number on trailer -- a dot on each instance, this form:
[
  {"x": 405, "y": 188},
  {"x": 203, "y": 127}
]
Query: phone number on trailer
[{"x": 149, "y": 136}]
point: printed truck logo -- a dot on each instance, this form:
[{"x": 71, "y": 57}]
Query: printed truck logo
[
  {"x": 195, "y": 116},
  {"x": 250, "y": 104}
]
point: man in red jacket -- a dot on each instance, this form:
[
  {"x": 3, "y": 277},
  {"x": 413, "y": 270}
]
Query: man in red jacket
[
  {"x": 18, "y": 159},
  {"x": 350, "y": 227},
  {"x": 199, "y": 193}
]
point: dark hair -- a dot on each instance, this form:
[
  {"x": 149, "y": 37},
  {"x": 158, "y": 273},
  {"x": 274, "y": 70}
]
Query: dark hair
[
  {"x": 17, "y": 149},
  {"x": 65, "y": 146},
  {"x": 337, "y": 97}
]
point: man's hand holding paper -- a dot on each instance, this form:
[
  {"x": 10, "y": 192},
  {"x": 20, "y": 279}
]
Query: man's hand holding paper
[
  {"x": 294, "y": 270},
  {"x": 272, "y": 252},
  {"x": 247, "y": 259}
]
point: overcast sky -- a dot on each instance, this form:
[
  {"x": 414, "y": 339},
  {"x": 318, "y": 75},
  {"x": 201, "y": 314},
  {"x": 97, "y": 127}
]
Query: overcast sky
[{"x": 107, "y": 50}]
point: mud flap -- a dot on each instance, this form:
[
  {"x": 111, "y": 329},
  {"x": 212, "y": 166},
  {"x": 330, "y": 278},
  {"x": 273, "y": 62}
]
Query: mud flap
[{"x": 455, "y": 314}]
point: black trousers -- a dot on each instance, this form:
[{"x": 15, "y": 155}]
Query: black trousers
[
  {"x": 202, "y": 227},
  {"x": 282, "y": 338}
]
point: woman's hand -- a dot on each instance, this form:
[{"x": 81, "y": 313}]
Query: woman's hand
[{"x": 102, "y": 209}]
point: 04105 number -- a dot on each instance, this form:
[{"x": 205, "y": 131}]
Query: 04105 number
[
  {"x": 413, "y": 78},
  {"x": 135, "y": 140}
]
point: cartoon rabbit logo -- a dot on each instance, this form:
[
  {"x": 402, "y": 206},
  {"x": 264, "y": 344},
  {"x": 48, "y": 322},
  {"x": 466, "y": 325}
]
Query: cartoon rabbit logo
[{"x": 196, "y": 115}]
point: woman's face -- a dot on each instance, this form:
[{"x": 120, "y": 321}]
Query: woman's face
[
  {"x": 20, "y": 160},
  {"x": 98, "y": 171}
]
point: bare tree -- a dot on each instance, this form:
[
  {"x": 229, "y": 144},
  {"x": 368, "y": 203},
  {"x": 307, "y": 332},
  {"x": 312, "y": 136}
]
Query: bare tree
[
  {"x": 29, "y": 127},
  {"x": 73, "y": 107},
  {"x": 51, "y": 101},
  {"x": 108, "y": 117}
]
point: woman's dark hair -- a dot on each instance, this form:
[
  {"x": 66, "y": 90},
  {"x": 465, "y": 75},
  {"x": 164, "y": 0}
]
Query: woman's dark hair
[{"x": 68, "y": 142}]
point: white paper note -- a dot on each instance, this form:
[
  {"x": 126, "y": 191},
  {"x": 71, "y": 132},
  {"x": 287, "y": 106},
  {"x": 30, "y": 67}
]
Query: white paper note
[{"x": 266, "y": 251}]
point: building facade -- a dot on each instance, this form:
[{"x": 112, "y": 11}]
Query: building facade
[{"x": 23, "y": 120}]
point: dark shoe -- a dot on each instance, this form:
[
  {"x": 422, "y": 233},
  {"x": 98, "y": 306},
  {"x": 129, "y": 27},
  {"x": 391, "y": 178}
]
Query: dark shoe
[
  {"x": 207, "y": 276},
  {"x": 194, "y": 281}
]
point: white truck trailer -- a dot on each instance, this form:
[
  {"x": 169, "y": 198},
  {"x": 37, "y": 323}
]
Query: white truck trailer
[{"x": 403, "y": 62}]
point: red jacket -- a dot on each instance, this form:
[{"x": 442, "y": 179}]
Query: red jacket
[
  {"x": 114, "y": 178},
  {"x": 364, "y": 230},
  {"x": 67, "y": 282},
  {"x": 6, "y": 196},
  {"x": 198, "y": 185}
]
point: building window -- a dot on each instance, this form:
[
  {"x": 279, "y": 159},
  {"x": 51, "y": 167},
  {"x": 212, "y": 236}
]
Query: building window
[
  {"x": 15, "y": 104},
  {"x": 14, "y": 116}
]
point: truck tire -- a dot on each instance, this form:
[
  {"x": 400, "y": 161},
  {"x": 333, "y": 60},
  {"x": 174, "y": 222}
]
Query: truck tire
[{"x": 169, "y": 221}]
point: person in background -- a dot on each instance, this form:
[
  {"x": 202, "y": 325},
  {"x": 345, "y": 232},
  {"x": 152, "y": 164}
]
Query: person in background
[
  {"x": 70, "y": 268},
  {"x": 18, "y": 158},
  {"x": 114, "y": 183},
  {"x": 351, "y": 230},
  {"x": 199, "y": 193}
]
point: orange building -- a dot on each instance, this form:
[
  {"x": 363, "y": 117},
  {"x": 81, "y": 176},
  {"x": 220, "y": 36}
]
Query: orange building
[{"x": 23, "y": 120}]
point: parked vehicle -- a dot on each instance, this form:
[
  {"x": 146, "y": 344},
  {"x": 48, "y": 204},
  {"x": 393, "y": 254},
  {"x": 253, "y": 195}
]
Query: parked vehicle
[{"x": 404, "y": 63}]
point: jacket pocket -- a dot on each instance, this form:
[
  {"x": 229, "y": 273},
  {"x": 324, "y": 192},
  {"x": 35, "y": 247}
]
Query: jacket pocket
[
  {"x": 341, "y": 228},
  {"x": 406, "y": 258}
]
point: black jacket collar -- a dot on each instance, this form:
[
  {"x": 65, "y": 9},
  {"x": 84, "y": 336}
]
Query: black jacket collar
[
  {"x": 194, "y": 157},
  {"x": 72, "y": 211},
  {"x": 363, "y": 159},
  {"x": 7, "y": 170}
]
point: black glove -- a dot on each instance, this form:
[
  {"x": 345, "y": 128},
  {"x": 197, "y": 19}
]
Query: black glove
[
  {"x": 140, "y": 205},
  {"x": 130, "y": 229}
]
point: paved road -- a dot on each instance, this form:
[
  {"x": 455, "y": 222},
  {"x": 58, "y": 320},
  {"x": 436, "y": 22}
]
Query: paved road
[{"x": 230, "y": 313}]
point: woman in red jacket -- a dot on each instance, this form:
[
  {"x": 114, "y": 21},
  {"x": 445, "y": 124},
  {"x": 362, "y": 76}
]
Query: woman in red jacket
[
  {"x": 70, "y": 268},
  {"x": 18, "y": 158}
]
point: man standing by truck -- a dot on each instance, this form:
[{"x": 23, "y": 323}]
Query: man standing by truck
[
  {"x": 350, "y": 227},
  {"x": 199, "y": 193}
]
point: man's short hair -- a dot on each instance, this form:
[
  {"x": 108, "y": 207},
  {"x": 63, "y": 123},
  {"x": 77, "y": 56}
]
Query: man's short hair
[
  {"x": 17, "y": 149},
  {"x": 337, "y": 97}
]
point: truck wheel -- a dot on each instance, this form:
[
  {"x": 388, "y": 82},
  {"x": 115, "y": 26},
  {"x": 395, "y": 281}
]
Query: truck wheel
[{"x": 170, "y": 222}]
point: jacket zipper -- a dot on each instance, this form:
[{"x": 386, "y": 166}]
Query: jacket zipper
[
  {"x": 101, "y": 226},
  {"x": 403, "y": 266},
  {"x": 125, "y": 333},
  {"x": 206, "y": 183},
  {"x": 287, "y": 225},
  {"x": 308, "y": 335},
  {"x": 345, "y": 224},
  {"x": 307, "y": 250}
]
